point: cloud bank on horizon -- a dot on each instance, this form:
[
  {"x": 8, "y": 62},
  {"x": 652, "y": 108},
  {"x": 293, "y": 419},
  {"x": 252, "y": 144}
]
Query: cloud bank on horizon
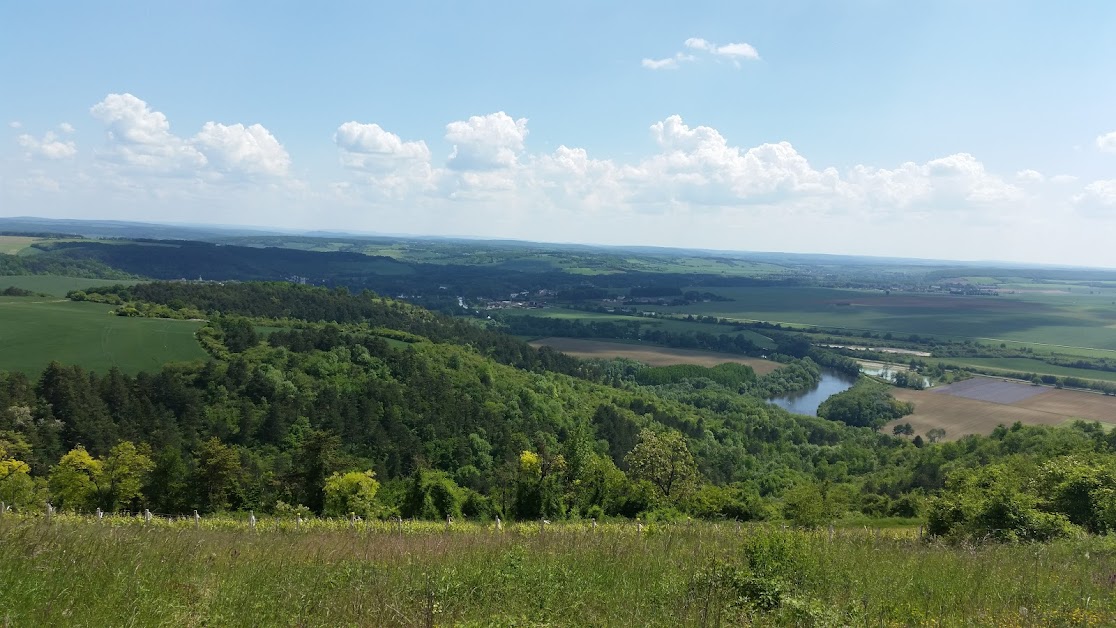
[{"x": 677, "y": 179}]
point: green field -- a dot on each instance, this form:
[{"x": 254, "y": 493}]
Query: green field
[
  {"x": 1073, "y": 320},
  {"x": 1027, "y": 365},
  {"x": 57, "y": 286},
  {"x": 33, "y": 332}
]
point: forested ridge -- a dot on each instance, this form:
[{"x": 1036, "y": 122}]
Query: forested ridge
[{"x": 413, "y": 414}]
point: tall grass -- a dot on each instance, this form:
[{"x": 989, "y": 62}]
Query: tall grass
[{"x": 120, "y": 572}]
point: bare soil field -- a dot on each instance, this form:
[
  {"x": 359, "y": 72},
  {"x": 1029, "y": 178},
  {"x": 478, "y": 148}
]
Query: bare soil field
[
  {"x": 959, "y": 415},
  {"x": 1075, "y": 404},
  {"x": 994, "y": 390},
  {"x": 650, "y": 354}
]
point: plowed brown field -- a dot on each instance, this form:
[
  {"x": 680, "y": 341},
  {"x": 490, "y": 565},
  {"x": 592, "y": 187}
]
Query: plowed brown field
[{"x": 959, "y": 416}]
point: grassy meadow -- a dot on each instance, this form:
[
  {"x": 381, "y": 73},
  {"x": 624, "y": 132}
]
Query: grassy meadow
[
  {"x": 35, "y": 331},
  {"x": 76, "y": 572}
]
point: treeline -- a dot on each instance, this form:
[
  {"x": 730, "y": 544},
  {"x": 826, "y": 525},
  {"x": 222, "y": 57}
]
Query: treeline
[
  {"x": 649, "y": 331},
  {"x": 293, "y": 302},
  {"x": 46, "y": 264},
  {"x": 729, "y": 374}
]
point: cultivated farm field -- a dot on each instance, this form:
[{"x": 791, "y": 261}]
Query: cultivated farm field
[
  {"x": 650, "y": 354},
  {"x": 1073, "y": 319},
  {"x": 35, "y": 331},
  {"x": 11, "y": 245},
  {"x": 1029, "y": 365},
  {"x": 978, "y": 405}
]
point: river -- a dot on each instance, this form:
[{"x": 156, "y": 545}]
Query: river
[{"x": 807, "y": 401}]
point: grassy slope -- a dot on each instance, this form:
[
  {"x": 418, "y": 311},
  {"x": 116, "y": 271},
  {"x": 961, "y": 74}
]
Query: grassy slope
[
  {"x": 35, "y": 331},
  {"x": 71, "y": 572}
]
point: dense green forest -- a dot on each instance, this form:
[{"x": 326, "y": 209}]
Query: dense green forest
[
  {"x": 419, "y": 415},
  {"x": 438, "y": 283}
]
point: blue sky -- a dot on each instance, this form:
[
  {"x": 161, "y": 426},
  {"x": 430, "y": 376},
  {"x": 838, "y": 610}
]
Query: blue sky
[{"x": 957, "y": 130}]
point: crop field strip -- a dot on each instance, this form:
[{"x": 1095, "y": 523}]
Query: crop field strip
[
  {"x": 1069, "y": 320},
  {"x": 1029, "y": 365},
  {"x": 650, "y": 354},
  {"x": 12, "y": 245},
  {"x": 994, "y": 390}
]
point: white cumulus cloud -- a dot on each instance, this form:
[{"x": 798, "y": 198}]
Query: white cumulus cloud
[
  {"x": 699, "y": 165},
  {"x": 694, "y": 168},
  {"x": 488, "y": 142},
  {"x": 49, "y": 146},
  {"x": 239, "y": 149},
  {"x": 669, "y": 63},
  {"x": 734, "y": 52},
  {"x": 140, "y": 137},
  {"x": 1107, "y": 142},
  {"x": 66, "y": 127},
  {"x": 395, "y": 169},
  {"x": 1098, "y": 195},
  {"x": 370, "y": 147}
]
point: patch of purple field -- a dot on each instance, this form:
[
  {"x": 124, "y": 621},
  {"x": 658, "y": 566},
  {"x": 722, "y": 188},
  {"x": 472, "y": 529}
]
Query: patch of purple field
[{"x": 989, "y": 389}]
